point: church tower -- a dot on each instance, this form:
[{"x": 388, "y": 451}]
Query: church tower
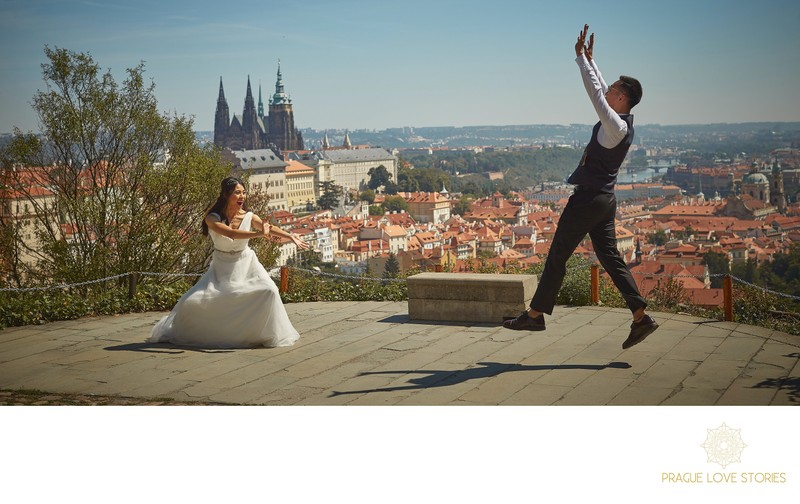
[
  {"x": 250, "y": 137},
  {"x": 777, "y": 196},
  {"x": 222, "y": 118},
  {"x": 282, "y": 132}
]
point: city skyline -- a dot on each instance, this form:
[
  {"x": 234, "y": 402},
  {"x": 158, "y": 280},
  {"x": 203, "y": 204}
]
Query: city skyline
[{"x": 355, "y": 64}]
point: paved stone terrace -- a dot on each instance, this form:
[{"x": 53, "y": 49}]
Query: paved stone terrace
[{"x": 371, "y": 353}]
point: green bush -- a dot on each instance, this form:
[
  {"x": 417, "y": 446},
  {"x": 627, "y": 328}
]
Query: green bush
[
  {"x": 609, "y": 295},
  {"x": 305, "y": 287},
  {"x": 577, "y": 285},
  {"x": 667, "y": 295},
  {"x": 755, "y": 306},
  {"x": 40, "y": 307}
]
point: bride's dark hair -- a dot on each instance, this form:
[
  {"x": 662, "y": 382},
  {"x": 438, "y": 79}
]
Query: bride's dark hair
[{"x": 226, "y": 188}]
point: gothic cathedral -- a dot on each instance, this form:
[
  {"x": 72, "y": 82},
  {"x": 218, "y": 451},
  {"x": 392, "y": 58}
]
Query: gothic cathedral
[{"x": 254, "y": 130}]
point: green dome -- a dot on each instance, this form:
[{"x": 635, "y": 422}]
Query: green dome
[{"x": 755, "y": 178}]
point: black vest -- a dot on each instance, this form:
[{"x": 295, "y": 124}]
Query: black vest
[{"x": 599, "y": 166}]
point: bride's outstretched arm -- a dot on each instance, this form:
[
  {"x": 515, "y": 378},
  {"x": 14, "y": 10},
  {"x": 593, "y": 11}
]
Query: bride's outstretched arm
[
  {"x": 262, "y": 227},
  {"x": 277, "y": 231}
]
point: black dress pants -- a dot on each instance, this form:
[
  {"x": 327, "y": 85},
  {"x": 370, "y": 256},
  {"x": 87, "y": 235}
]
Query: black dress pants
[{"x": 591, "y": 212}]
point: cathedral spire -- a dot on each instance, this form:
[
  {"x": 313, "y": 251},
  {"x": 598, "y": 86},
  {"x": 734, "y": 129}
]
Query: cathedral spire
[
  {"x": 280, "y": 97},
  {"x": 250, "y": 121},
  {"x": 221, "y": 97},
  {"x": 347, "y": 143},
  {"x": 260, "y": 103},
  {"x": 221, "y": 117},
  {"x": 248, "y": 99},
  {"x": 325, "y": 143}
]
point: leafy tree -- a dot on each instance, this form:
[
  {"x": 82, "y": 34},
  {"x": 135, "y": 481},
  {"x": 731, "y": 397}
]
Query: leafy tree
[
  {"x": 10, "y": 250},
  {"x": 391, "y": 188},
  {"x": 128, "y": 185},
  {"x": 368, "y": 196},
  {"x": 422, "y": 179},
  {"x": 747, "y": 271},
  {"x": 392, "y": 267},
  {"x": 330, "y": 195},
  {"x": 431, "y": 179},
  {"x": 378, "y": 176},
  {"x": 395, "y": 204},
  {"x": 687, "y": 232},
  {"x": 659, "y": 238},
  {"x": 473, "y": 187},
  {"x": 718, "y": 264},
  {"x": 406, "y": 180},
  {"x": 462, "y": 206},
  {"x": 783, "y": 272}
]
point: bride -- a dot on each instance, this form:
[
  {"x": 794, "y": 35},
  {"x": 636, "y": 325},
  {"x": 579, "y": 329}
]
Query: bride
[{"x": 235, "y": 303}]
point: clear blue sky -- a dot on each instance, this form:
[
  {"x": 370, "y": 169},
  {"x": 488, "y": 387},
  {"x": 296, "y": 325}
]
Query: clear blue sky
[{"x": 373, "y": 64}]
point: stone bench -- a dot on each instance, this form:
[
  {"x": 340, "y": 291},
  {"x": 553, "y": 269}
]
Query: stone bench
[{"x": 468, "y": 297}]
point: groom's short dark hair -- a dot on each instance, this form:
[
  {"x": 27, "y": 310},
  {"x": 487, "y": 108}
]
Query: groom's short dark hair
[{"x": 632, "y": 89}]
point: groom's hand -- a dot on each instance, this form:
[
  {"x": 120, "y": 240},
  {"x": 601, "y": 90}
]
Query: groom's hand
[
  {"x": 579, "y": 45},
  {"x": 589, "y": 48}
]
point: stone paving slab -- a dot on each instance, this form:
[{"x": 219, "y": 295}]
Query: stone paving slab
[{"x": 371, "y": 353}]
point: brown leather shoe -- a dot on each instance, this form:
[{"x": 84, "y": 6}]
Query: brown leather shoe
[
  {"x": 639, "y": 331},
  {"x": 525, "y": 323}
]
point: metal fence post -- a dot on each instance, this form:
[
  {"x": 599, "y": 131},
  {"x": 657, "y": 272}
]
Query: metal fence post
[
  {"x": 595, "y": 284},
  {"x": 727, "y": 295},
  {"x": 284, "y": 279},
  {"x": 133, "y": 279}
]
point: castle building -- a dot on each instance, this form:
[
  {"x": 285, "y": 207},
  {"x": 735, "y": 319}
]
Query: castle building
[
  {"x": 254, "y": 130},
  {"x": 300, "y": 185},
  {"x": 266, "y": 173},
  {"x": 348, "y": 166}
]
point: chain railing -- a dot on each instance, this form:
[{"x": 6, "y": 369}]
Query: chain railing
[
  {"x": 283, "y": 272},
  {"x": 134, "y": 276}
]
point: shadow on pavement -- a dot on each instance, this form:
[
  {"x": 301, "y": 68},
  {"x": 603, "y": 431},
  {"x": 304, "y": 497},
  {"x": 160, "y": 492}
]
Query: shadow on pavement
[
  {"x": 444, "y": 378},
  {"x": 163, "y": 348},
  {"x": 789, "y": 383},
  {"x": 405, "y": 319}
]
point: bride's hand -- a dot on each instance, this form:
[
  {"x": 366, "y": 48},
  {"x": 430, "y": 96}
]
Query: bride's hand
[{"x": 302, "y": 245}]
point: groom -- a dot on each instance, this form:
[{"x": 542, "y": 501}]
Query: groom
[{"x": 592, "y": 207}]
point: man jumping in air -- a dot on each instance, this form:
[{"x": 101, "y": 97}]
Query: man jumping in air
[{"x": 593, "y": 205}]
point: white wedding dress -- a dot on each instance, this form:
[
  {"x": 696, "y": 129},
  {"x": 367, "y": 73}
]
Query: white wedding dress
[{"x": 235, "y": 304}]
